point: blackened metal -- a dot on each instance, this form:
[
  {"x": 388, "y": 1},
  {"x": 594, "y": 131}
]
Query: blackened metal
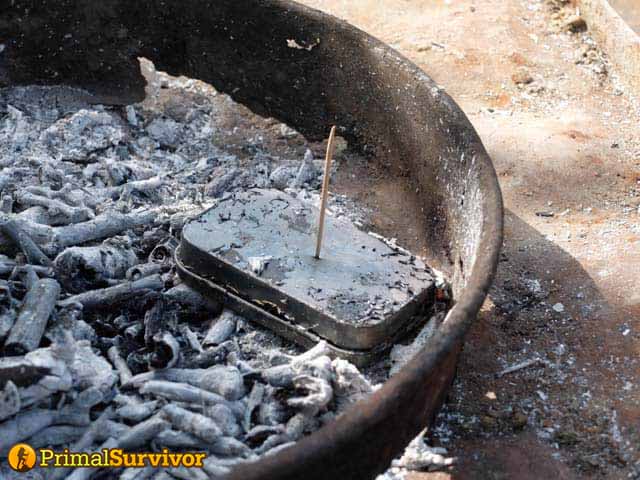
[
  {"x": 381, "y": 102},
  {"x": 360, "y": 296}
]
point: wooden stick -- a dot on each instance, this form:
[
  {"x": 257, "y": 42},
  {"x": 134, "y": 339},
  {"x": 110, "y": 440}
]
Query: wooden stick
[{"x": 325, "y": 189}]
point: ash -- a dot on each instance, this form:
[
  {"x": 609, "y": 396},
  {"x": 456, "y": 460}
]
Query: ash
[{"x": 103, "y": 345}]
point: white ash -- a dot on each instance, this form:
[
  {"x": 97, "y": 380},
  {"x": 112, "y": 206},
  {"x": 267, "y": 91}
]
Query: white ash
[
  {"x": 418, "y": 457},
  {"x": 160, "y": 366},
  {"x": 85, "y": 132},
  {"x": 258, "y": 264},
  {"x": 401, "y": 354}
]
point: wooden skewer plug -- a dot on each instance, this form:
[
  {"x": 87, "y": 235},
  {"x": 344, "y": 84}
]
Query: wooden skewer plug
[{"x": 325, "y": 189}]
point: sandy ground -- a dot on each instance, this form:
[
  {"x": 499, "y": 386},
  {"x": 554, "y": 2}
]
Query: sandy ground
[{"x": 564, "y": 140}]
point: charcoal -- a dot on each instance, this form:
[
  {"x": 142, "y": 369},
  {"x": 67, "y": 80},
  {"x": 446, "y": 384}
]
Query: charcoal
[
  {"x": 30, "y": 369},
  {"x": 165, "y": 131},
  {"x": 194, "y": 306},
  {"x": 28, "y": 422},
  {"x": 56, "y": 436},
  {"x": 134, "y": 332},
  {"x": 225, "y": 381},
  {"x": 85, "y": 132},
  {"x": 142, "y": 433},
  {"x": 69, "y": 319},
  {"x": 35, "y": 215},
  {"x": 120, "y": 364},
  {"x": 184, "y": 473},
  {"x": 111, "y": 296},
  {"x": 349, "y": 385},
  {"x": 6, "y": 203},
  {"x": 137, "y": 473},
  {"x": 137, "y": 412},
  {"x": 319, "y": 394},
  {"x": 9, "y": 400},
  {"x": 23, "y": 240},
  {"x": 307, "y": 172},
  {"x": 112, "y": 348},
  {"x": 7, "y": 309},
  {"x": 255, "y": 400},
  {"x": 177, "y": 440},
  {"x": 85, "y": 442},
  {"x": 180, "y": 392},
  {"x": 23, "y": 426},
  {"x": 279, "y": 376},
  {"x": 229, "y": 447},
  {"x": 111, "y": 429},
  {"x": 90, "y": 369},
  {"x": 17, "y": 128},
  {"x": 282, "y": 177},
  {"x": 85, "y": 473},
  {"x": 257, "y": 435},
  {"x": 58, "y": 212},
  {"x": 102, "y": 226},
  {"x": 154, "y": 323},
  {"x": 132, "y": 116},
  {"x": 166, "y": 351},
  {"x": 222, "y": 182},
  {"x": 194, "y": 423},
  {"x": 145, "y": 270},
  {"x": 87, "y": 268},
  {"x": 210, "y": 356},
  {"x": 45, "y": 388},
  {"x": 191, "y": 338},
  {"x": 224, "y": 417},
  {"x": 272, "y": 412},
  {"x": 29, "y": 327},
  {"x": 163, "y": 252}
]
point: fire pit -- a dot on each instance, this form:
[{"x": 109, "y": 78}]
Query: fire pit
[{"x": 311, "y": 71}]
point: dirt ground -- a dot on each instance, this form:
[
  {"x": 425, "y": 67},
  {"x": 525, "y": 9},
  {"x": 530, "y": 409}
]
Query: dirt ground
[{"x": 564, "y": 140}]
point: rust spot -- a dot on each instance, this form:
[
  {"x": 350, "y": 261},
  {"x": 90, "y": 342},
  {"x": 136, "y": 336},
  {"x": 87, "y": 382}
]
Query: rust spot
[{"x": 577, "y": 135}]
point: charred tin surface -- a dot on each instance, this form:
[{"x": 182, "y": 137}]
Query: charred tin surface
[
  {"x": 311, "y": 71},
  {"x": 259, "y": 244}
]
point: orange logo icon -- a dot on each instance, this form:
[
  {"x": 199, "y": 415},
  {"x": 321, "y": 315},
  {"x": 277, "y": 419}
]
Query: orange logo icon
[{"x": 21, "y": 457}]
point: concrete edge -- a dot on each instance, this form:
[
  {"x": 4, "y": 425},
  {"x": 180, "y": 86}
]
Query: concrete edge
[{"x": 616, "y": 38}]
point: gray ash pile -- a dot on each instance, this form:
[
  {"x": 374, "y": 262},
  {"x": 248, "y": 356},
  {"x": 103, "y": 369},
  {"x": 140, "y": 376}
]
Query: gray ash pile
[{"x": 103, "y": 345}]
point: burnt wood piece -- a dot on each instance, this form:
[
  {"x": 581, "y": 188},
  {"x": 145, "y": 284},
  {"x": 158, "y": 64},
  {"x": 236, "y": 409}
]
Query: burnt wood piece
[
  {"x": 7, "y": 310},
  {"x": 86, "y": 268},
  {"x": 117, "y": 295},
  {"x": 166, "y": 351},
  {"x": 53, "y": 240},
  {"x": 7, "y": 266},
  {"x": 24, "y": 242},
  {"x": 37, "y": 307},
  {"x": 144, "y": 270},
  {"x": 59, "y": 212},
  {"x": 103, "y": 226}
]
